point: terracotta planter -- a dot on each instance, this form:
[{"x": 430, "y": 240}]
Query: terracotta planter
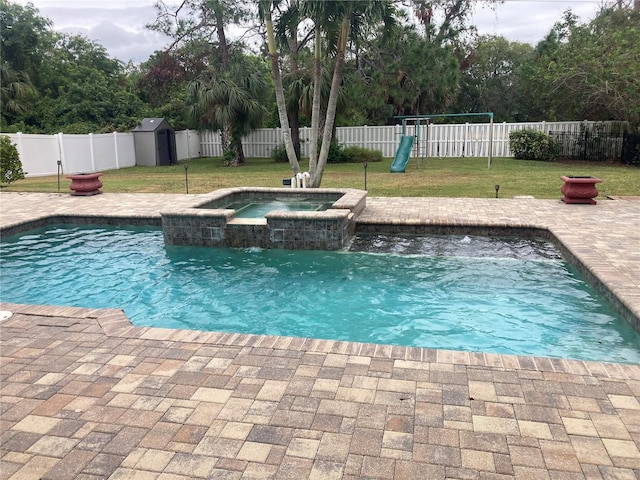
[
  {"x": 85, "y": 184},
  {"x": 580, "y": 189}
]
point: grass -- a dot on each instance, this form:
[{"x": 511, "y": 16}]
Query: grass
[{"x": 437, "y": 177}]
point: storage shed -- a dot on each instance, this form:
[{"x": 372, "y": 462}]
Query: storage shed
[{"x": 155, "y": 142}]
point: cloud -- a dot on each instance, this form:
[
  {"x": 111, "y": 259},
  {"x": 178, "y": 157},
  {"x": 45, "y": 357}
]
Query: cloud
[
  {"x": 120, "y": 30},
  {"x": 127, "y": 44},
  {"x": 527, "y": 22},
  {"x": 119, "y": 25}
]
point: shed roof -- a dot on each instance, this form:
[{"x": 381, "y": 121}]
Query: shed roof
[{"x": 151, "y": 124}]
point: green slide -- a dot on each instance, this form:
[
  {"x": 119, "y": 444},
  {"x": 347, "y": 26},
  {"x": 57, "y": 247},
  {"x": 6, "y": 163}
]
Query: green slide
[{"x": 402, "y": 154}]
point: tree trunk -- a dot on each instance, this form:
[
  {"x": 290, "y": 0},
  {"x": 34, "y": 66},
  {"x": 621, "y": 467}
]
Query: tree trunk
[
  {"x": 229, "y": 153},
  {"x": 282, "y": 108},
  {"x": 295, "y": 132},
  {"x": 294, "y": 112},
  {"x": 222, "y": 38},
  {"x": 315, "y": 108},
  {"x": 332, "y": 104},
  {"x": 225, "y": 144},
  {"x": 239, "y": 157}
]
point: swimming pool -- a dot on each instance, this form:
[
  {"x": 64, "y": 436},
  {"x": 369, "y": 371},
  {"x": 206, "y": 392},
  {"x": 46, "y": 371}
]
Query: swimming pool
[{"x": 430, "y": 292}]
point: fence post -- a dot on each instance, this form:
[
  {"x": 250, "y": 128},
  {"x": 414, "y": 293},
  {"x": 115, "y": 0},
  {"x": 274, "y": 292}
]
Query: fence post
[
  {"x": 490, "y": 141},
  {"x": 505, "y": 140},
  {"x": 93, "y": 157},
  {"x": 19, "y": 146},
  {"x": 365, "y": 137},
  {"x": 61, "y": 155},
  {"x": 305, "y": 137},
  {"x": 115, "y": 145},
  {"x": 465, "y": 144}
]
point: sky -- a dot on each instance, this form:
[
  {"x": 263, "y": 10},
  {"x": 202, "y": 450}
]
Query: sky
[{"x": 119, "y": 25}]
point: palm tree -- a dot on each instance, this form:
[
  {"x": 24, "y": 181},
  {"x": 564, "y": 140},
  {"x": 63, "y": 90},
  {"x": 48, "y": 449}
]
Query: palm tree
[
  {"x": 321, "y": 14},
  {"x": 352, "y": 17},
  {"x": 265, "y": 7},
  {"x": 14, "y": 89},
  {"x": 230, "y": 101},
  {"x": 287, "y": 29}
]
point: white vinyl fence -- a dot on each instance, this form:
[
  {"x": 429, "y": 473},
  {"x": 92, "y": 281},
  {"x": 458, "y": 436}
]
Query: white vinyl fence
[
  {"x": 188, "y": 144},
  {"x": 440, "y": 140},
  {"x": 95, "y": 152},
  {"x": 40, "y": 154}
]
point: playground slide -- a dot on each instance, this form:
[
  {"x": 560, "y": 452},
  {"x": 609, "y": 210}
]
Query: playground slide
[{"x": 402, "y": 154}]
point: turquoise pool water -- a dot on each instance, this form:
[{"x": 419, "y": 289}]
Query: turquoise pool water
[
  {"x": 461, "y": 293},
  {"x": 258, "y": 208}
]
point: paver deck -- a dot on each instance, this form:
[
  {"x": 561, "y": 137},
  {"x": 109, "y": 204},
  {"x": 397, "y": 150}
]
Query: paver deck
[{"x": 85, "y": 395}]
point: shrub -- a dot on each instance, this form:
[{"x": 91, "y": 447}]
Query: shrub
[
  {"x": 10, "y": 164},
  {"x": 336, "y": 153},
  {"x": 636, "y": 159},
  {"x": 531, "y": 144},
  {"x": 631, "y": 149},
  {"x": 360, "y": 155},
  {"x": 229, "y": 157},
  {"x": 279, "y": 154}
]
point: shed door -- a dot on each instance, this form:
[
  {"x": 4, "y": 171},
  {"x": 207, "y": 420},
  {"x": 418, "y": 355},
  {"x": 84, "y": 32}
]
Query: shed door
[{"x": 164, "y": 157}]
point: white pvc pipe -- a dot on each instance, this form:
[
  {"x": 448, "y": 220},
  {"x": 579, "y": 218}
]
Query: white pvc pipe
[{"x": 301, "y": 180}]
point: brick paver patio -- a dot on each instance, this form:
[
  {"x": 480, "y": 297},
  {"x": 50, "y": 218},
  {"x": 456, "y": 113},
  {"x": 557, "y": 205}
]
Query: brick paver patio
[{"x": 86, "y": 395}]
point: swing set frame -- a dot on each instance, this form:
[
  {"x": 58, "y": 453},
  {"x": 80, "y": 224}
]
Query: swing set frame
[{"x": 418, "y": 118}]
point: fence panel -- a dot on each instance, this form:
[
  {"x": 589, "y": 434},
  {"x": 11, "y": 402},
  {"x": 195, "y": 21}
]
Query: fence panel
[
  {"x": 39, "y": 154},
  {"x": 589, "y": 146},
  {"x": 261, "y": 142},
  {"x": 103, "y": 151},
  {"x": 446, "y": 140},
  {"x": 477, "y": 140},
  {"x": 76, "y": 154},
  {"x": 187, "y": 144},
  {"x": 210, "y": 144},
  {"x": 305, "y": 135},
  {"x": 383, "y": 138},
  {"x": 501, "y": 132},
  {"x": 125, "y": 150},
  {"x": 388, "y": 139}
]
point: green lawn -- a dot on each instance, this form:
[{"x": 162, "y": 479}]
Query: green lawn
[{"x": 446, "y": 177}]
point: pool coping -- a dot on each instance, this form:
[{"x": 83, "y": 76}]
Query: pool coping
[{"x": 114, "y": 323}]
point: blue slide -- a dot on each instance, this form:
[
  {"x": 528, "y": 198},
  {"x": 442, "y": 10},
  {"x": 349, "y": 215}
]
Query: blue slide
[{"x": 401, "y": 159}]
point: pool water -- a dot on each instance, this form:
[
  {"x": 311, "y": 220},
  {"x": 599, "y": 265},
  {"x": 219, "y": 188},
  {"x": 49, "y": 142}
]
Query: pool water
[
  {"x": 461, "y": 293},
  {"x": 259, "y": 208}
]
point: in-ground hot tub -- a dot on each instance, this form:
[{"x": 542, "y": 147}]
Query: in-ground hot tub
[
  {"x": 304, "y": 219},
  {"x": 259, "y": 207}
]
